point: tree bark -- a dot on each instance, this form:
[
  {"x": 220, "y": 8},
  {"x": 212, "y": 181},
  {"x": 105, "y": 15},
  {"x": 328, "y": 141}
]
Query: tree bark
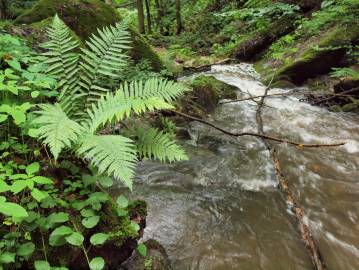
[
  {"x": 148, "y": 15},
  {"x": 159, "y": 15},
  {"x": 179, "y": 17},
  {"x": 3, "y": 9},
  {"x": 141, "y": 16}
]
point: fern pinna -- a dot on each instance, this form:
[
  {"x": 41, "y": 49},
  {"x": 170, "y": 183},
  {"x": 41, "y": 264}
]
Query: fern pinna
[{"x": 86, "y": 103}]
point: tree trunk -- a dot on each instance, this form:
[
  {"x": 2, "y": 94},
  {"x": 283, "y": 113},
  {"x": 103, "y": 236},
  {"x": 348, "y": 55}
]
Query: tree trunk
[
  {"x": 179, "y": 17},
  {"x": 148, "y": 14},
  {"x": 141, "y": 16},
  {"x": 159, "y": 15},
  {"x": 3, "y": 9}
]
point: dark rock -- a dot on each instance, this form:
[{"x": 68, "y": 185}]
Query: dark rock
[{"x": 156, "y": 258}]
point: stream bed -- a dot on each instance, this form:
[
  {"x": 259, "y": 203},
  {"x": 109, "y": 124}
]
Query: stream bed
[{"x": 221, "y": 210}]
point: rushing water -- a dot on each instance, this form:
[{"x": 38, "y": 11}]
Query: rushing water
[{"x": 221, "y": 210}]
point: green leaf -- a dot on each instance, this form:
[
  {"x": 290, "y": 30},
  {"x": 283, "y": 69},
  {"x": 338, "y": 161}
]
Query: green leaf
[
  {"x": 122, "y": 201},
  {"x": 42, "y": 265},
  {"x": 135, "y": 226},
  {"x": 3, "y": 117},
  {"x": 99, "y": 238},
  {"x": 34, "y": 133},
  {"x": 121, "y": 212},
  {"x": 87, "y": 213},
  {"x": 142, "y": 249},
  {"x": 26, "y": 250},
  {"x": 97, "y": 263},
  {"x": 75, "y": 239},
  {"x": 38, "y": 194},
  {"x": 42, "y": 180},
  {"x": 33, "y": 168},
  {"x": 57, "y": 237},
  {"x": 105, "y": 181},
  {"x": 90, "y": 222},
  {"x": 13, "y": 210},
  {"x": 60, "y": 217},
  {"x": 35, "y": 94},
  {"x": 7, "y": 257},
  {"x": 18, "y": 186},
  {"x": 15, "y": 64},
  {"x": 4, "y": 186},
  {"x": 19, "y": 116}
]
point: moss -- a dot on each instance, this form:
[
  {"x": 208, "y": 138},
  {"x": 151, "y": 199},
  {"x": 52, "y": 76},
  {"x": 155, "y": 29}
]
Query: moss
[
  {"x": 221, "y": 89},
  {"x": 312, "y": 56},
  {"x": 84, "y": 17}
]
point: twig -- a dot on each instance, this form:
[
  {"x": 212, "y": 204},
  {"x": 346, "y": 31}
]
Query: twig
[
  {"x": 342, "y": 93},
  {"x": 305, "y": 233},
  {"x": 288, "y": 94},
  {"x": 254, "y": 134}
]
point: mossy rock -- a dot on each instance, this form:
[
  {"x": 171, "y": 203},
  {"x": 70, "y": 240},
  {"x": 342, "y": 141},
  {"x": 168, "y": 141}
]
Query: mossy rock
[
  {"x": 84, "y": 17},
  {"x": 206, "y": 93},
  {"x": 320, "y": 56}
]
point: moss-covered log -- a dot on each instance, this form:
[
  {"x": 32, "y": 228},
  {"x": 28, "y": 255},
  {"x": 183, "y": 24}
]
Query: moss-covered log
[{"x": 84, "y": 17}]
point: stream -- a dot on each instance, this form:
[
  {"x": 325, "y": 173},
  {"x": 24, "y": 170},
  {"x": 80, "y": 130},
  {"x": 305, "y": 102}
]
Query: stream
[{"x": 221, "y": 210}]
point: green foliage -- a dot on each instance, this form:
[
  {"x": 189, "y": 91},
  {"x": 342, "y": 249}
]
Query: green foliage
[
  {"x": 41, "y": 213},
  {"x": 344, "y": 72},
  {"x": 101, "y": 62}
]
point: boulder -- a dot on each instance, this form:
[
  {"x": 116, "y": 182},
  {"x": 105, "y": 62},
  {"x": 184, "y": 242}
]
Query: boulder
[
  {"x": 84, "y": 17},
  {"x": 207, "y": 91},
  {"x": 319, "y": 55}
]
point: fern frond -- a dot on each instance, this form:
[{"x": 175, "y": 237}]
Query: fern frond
[
  {"x": 104, "y": 58},
  {"x": 116, "y": 107},
  {"x": 62, "y": 61},
  {"x": 56, "y": 130},
  {"x": 154, "y": 87},
  {"x": 113, "y": 155},
  {"x": 153, "y": 143}
]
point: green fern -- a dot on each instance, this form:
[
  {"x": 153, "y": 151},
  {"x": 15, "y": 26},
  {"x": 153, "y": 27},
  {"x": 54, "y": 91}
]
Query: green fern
[
  {"x": 153, "y": 143},
  {"x": 118, "y": 107},
  {"x": 114, "y": 155},
  {"x": 86, "y": 93},
  {"x": 104, "y": 58},
  {"x": 56, "y": 129},
  {"x": 62, "y": 61},
  {"x": 153, "y": 87}
]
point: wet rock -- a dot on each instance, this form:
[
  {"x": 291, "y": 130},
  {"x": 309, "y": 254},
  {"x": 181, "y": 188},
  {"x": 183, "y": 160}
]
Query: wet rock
[
  {"x": 207, "y": 91},
  {"x": 84, "y": 17},
  {"x": 156, "y": 258}
]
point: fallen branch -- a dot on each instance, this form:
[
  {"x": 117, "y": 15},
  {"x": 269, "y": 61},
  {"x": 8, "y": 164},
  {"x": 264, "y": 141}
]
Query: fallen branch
[
  {"x": 335, "y": 95},
  {"x": 292, "y": 202},
  {"x": 290, "y": 94},
  {"x": 258, "y": 135}
]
